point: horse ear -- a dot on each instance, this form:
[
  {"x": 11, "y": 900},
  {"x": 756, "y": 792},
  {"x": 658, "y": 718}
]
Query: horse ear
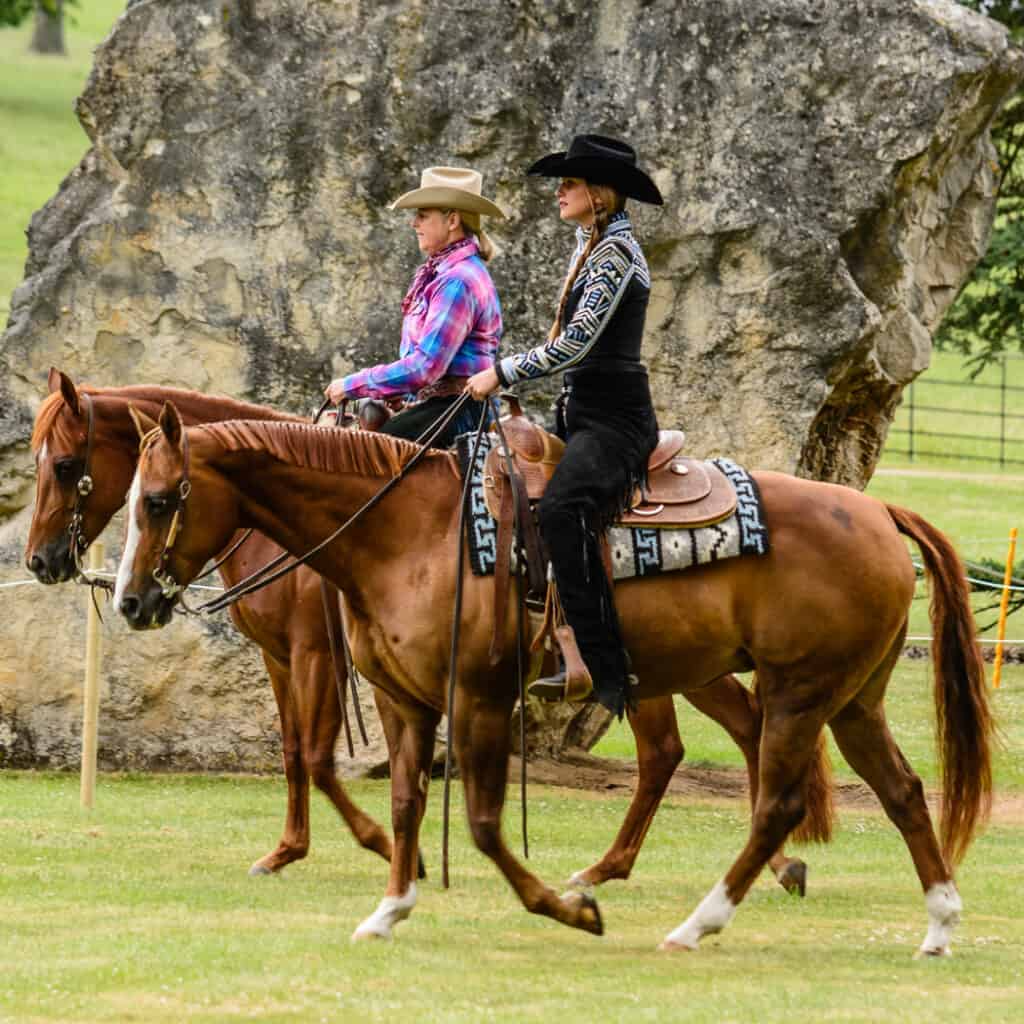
[
  {"x": 59, "y": 379},
  {"x": 170, "y": 423},
  {"x": 53, "y": 380},
  {"x": 143, "y": 423}
]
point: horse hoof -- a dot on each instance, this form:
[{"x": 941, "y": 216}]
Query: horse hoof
[
  {"x": 934, "y": 951},
  {"x": 362, "y": 934},
  {"x": 421, "y": 868},
  {"x": 588, "y": 914},
  {"x": 794, "y": 878},
  {"x": 668, "y": 946},
  {"x": 258, "y": 869}
]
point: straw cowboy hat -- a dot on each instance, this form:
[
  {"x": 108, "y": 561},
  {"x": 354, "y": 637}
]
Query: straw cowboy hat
[
  {"x": 600, "y": 161},
  {"x": 449, "y": 188}
]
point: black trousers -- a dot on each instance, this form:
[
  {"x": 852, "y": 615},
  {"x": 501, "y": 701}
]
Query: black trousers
[
  {"x": 610, "y": 429},
  {"x": 413, "y": 422}
]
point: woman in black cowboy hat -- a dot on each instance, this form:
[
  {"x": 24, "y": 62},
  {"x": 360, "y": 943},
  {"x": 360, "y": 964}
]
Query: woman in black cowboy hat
[{"x": 605, "y": 413}]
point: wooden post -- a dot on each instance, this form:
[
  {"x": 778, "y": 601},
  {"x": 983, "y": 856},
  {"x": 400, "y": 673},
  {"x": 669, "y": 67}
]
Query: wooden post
[
  {"x": 1003, "y": 607},
  {"x": 91, "y": 696}
]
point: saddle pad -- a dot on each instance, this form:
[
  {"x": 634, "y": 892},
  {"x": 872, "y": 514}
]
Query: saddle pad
[{"x": 636, "y": 551}]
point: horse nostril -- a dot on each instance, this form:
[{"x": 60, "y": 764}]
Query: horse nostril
[
  {"x": 131, "y": 607},
  {"x": 36, "y": 566}
]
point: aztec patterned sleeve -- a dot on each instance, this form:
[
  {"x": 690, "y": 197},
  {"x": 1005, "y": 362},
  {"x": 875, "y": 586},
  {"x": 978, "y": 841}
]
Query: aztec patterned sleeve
[{"x": 610, "y": 269}]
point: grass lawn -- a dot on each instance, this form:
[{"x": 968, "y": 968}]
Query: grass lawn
[
  {"x": 956, "y": 422},
  {"x": 142, "y": 911},
  {"x": 40, "y": 137}
]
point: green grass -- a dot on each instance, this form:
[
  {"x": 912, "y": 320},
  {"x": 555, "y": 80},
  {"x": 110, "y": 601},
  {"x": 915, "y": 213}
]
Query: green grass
[
  {"x": 41, "y": 140},
  {"x": 910, "y": 709},
  {"x": 141, "y": 911},
  {"x": 963, "y": 407}
]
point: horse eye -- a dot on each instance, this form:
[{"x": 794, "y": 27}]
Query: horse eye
[
  {"x": 66, "y": 470},
  {"x": 156, "y": 504}
]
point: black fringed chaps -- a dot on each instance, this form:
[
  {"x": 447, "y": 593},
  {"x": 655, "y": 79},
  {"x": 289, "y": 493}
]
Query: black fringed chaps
[{"x": 610, "y": 427}]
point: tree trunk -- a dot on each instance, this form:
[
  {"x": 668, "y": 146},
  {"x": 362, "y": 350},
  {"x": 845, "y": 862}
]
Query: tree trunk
[{"x": 48, "y": 35}]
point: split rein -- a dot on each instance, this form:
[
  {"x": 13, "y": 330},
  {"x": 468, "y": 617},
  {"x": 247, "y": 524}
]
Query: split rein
[{"x": 276, "y": 568}]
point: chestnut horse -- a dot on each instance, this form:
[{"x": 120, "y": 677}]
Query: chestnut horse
[
  {"x": 286, "y": 622},
  {"x": 821, "y": 619}
]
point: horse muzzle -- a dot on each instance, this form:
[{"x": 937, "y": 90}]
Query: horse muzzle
[
  {"x": 148, "y": 610},
  {"x": 52, "y": 563}
]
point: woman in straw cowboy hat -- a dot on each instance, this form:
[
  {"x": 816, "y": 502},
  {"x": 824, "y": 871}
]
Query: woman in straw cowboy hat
[
  {"x": 451, "y": 317},
  {"x": 605, "y": 413}
]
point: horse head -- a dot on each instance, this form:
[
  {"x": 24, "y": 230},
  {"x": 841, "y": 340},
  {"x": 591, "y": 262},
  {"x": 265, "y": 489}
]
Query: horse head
[
  {"x": 81, "y": 479},
  {"x": 180, "y": 514}
]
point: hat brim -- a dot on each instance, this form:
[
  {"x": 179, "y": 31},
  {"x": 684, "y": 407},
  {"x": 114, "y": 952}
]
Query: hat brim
[
  {"x": 625, "y": 178},
  {"x": 439, "y": 197}
]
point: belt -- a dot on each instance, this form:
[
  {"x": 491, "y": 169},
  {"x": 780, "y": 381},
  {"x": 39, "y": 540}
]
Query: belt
[{"x": 442, "y": 388}]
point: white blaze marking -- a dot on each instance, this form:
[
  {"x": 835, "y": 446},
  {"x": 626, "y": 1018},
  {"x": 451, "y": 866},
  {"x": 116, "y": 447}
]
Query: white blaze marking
[
  {"x": 124, "y": 570},
  {"x": 41, "y": 456},
  {"x": 944, "y": 906},
  {"x": 712, "y": 915},
  {"x": 389, "y": 912}
]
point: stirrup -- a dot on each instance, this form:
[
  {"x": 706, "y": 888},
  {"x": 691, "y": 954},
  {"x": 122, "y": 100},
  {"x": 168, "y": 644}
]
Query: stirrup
[
  {"x": 574, "y": 682},
  {"x": 561, "y": 687}
]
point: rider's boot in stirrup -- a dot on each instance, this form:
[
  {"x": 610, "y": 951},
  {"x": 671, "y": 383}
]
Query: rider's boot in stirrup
[{"x": 573, "y": 682}]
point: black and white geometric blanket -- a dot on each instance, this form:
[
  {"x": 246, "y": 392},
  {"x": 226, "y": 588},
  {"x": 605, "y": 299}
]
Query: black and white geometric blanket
[{"x": 635, "y": 551}]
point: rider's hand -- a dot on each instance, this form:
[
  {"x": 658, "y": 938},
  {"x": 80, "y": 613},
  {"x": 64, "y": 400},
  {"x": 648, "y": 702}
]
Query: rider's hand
[
  {"x": 482, "y": 384},
  {"x": 335, "y": 391}
]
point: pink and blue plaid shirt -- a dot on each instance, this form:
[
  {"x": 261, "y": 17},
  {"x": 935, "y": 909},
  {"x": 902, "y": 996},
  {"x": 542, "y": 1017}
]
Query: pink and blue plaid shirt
[{"x": 452, "y": 327}]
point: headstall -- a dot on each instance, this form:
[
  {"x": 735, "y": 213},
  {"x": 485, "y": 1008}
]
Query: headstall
[{"x": 169, "y": 587}]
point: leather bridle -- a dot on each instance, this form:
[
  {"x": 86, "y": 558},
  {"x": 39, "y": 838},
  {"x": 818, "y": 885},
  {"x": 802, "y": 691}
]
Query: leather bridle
[{"x": 170, "y": 587}]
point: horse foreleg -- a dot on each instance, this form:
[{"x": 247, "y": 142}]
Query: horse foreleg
[
  {"x": 481, "y": 733},
  {"x": 788, "y": 744},
  {"x": 410, "y": 774},
  {"x": 729, "y": 703},
  {"x": 294, "y": 842},
  {"x": 658, "y": 752},
  {"x": 318, "y": 710}
]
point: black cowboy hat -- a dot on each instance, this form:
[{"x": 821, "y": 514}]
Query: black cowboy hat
[{"x": 600, "y": 161}]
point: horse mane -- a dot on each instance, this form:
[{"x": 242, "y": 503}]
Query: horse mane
[
  {"x": 186, "y": 401},
  {"x": 45, "y": 418},
  {"x": 321, "y": 448}
]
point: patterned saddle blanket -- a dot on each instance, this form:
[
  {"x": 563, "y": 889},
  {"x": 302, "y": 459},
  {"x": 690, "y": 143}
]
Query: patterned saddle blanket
[{"x": 635, "y": 550}]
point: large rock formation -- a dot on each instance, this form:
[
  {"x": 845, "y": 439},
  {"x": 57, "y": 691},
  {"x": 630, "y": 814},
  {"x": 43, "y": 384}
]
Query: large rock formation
[{"x": 826, "y": 167}]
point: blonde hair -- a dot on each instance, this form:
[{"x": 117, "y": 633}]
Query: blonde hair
[
  {"x": 471, "y": 226},
  {"x": 604, "y": 202}
]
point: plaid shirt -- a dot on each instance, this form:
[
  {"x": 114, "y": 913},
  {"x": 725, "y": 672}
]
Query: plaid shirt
[{"x": 453, "y": 327}]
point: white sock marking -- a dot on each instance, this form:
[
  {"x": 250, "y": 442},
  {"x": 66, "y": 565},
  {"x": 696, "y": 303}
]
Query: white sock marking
[
  {"x": 713, "y": 913},
  {"x": 124, "y": 570},
  {"x": 944, "y": 906},
  {"x": 389, "y": 912}
]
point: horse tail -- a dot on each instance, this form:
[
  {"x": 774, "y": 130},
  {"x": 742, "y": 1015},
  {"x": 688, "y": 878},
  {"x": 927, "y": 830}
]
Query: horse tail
[
  {"x": 964, "y": 725},
  {"x": 820, "y": 814}
]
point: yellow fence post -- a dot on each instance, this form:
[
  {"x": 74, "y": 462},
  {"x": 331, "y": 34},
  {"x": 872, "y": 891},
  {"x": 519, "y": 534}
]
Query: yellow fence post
[
  {"x": 91, "y": 696},
  {"x": 1003, "y": 608}
]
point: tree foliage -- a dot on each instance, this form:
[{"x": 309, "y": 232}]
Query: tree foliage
[
  {"x": 14, "y": 12},
  {"x": 987, "y": 318}
]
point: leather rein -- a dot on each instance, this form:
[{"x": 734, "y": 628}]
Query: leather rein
[{"x": 271, "y": 572}]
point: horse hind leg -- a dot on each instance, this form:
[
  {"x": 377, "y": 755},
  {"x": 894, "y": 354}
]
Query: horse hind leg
[
  {"x": 729, "y": 703},
  {"x": 865, "y": 741},
  {"x": 659, "y": 751},
  {"x": 788, "y": 745}
]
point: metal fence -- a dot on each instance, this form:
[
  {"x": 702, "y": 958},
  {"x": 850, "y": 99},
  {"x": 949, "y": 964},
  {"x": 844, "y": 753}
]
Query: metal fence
[{"x": 990, "y": 411}]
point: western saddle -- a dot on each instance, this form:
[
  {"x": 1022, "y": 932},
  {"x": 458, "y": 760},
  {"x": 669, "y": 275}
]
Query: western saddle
[{"x": 680, "y": 492}]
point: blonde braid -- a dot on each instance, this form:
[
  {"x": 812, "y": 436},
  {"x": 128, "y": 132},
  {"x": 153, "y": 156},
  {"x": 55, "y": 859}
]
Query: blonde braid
[{"x": 610, "y": 202}]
